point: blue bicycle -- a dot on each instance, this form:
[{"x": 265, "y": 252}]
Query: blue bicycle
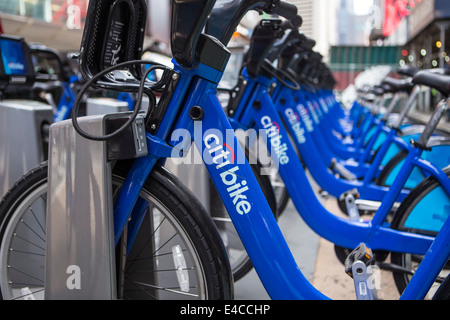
[
  {"x": 150, "y": 200},
  {"x": 257, "y": 107}
]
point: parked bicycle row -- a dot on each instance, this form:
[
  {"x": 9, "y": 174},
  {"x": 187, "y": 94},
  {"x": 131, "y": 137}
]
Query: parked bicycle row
[{"x": 103, "y": 206}]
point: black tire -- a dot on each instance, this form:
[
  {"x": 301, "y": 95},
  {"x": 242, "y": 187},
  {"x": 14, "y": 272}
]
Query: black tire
[
  {"x": 281, "y": 193},
  {"x": 391, "y": 165},
  {"x": 400, "y": 217},
  {"x": 380, "y": 180},
  {"x": 277, "y": 185},
  {"x": 443, "y": 293},
  {"x": 240, "y": 262},
  {"x": 435, "y": 142},
  {"x": 184, "y": 212}
]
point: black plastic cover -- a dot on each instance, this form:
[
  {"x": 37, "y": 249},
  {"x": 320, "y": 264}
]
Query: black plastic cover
[
  {"x": 54, "y": 58},
  {"x": 290, "y": 38},
  {"x": 212, "y": 53},
  {"x": 188, "y": 20},
  {"x": 264, "y": 35},
  {"x": 289, "y": 53},
  {"x": 131, "y": 143},
  {"x": 226, "y": 16},
  {"x": 113, "y": 33}
]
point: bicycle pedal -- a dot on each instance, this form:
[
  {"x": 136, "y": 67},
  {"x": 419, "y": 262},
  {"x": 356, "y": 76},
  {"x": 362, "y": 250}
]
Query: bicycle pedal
[
  {"x": 361, "y": 277},
  {"x": 352, "y": 208},
  {"x": 361, "y": 253},
  {"x": 341, "y": 170},
  {"x": 356, "y": 267}
]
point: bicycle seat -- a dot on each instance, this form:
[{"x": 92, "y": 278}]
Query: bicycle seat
[
  {"x": 378, "y": 90},
  {"x": 46, "y": 86},
  {"x": 440, "y": 82},
  {"x": 397, "y": 85},
  {"x": 409, "y": 71},
  {"x": 445, "y": 71}
]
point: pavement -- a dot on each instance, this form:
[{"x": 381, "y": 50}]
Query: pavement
[{"x": 316, "y": 259}]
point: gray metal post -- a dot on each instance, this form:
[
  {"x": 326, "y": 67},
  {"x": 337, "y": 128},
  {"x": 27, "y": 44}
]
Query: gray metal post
[
  {"x": 80, "y": 260},
  {"x": 21, "y": 139}
]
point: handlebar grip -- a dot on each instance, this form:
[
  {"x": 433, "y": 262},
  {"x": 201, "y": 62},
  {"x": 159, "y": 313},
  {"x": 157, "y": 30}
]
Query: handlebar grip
[
  {"x": 292, "y": 24},
  {"x": 287, "y": 10},
  {"x": 296, "y": 22}
]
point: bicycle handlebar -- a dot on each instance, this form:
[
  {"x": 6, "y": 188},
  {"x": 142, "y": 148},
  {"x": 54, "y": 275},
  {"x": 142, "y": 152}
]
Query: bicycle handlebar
[
  {"x": 230, "y": 14},
  {"x": 293, "y": 24},
  {"x": 288, "y": 11}
]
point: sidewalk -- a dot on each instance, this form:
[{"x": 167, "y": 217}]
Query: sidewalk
[{"x": 329, "y": 275}]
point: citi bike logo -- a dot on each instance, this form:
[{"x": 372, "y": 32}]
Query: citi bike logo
[
  {"x": 273, "y": 134},
  {"x": 324, "y": 105},
  {"x": 223, "y": 157},
  {"x": 16, "y": 66},
  {"x": 305, "y": 117},
  {"x": 295, "y": 125},
  {"x": 313, "y": 112}
]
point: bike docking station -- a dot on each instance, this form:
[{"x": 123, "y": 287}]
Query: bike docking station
[
  {"x": 23, "y": 122},
  {"x": 80, "y": 226},
  {"x": 81, "y": 254},
  {"x": 96, "y": 106}
]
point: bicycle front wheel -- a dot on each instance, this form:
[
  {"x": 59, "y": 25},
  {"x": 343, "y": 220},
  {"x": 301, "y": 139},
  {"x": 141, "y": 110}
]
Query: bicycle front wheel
[
  {"x": 423, "y": 211},
  {"x": 174, "y": 229}
]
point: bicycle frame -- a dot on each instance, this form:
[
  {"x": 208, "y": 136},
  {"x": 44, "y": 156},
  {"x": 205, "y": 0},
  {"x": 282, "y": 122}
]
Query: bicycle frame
[
  {"x": 239, "y": 189},
  {"x": 67, "y": 100},
  {"x": 343, "y": 232},
  {"x": 336, "y": 186},
  {"x": 388, "y": 143},
  {"x": 289, "y": 106},
  {"x": 358, "y": 165},
  {"x": 252, "y": 217}
]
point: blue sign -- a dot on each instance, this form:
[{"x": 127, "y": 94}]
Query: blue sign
[{"x": 13, "y": 57}]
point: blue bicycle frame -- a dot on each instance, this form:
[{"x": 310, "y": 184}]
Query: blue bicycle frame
[
  {"x": 321, "y": 135},
  {"x": 384, "y": 139},
  {"x": 237, "y": 185},
  {"x": 343, "y": 232},
  {"x": 291, "y": 105},
  {"x": 337, "y": 186},
  {"x": 67, "y": 100}
]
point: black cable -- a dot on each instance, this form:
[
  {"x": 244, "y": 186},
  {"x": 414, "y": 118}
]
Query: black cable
[
  {"x": 276, "y": 74},
  {"x": 136, "y": 108}
]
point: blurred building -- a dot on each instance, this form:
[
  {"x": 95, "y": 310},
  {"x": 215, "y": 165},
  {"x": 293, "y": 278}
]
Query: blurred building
[
  {"x": 428, "y": 46},
  {"x": 320, "y": 22},
  {"x": 55, "y": 23},
  {"x": 428, "y": 35},
  {"x": 59, "y": 23}
]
